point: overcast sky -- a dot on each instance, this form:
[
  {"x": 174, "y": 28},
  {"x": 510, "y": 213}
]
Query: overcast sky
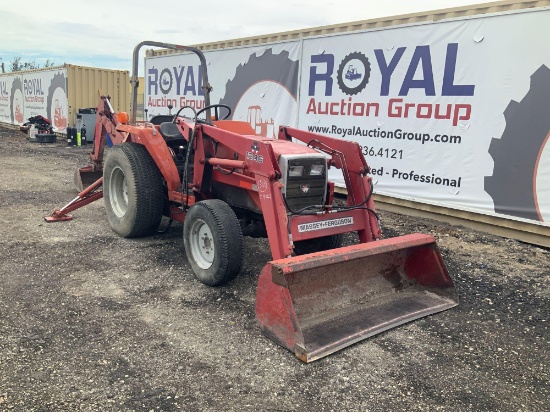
[{"x": 103, "y": 33}]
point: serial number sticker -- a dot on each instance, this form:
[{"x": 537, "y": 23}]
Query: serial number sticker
[{"x": 325, "y": 224}]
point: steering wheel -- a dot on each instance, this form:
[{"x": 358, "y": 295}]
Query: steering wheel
[
  {"x": 180, "y": 110},
  {"x": 216, "y": 106}
]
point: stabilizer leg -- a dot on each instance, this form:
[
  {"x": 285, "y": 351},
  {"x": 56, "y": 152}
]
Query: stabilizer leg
[{"x": 85, "y": 197}]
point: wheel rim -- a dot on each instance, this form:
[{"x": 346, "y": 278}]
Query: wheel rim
[
  {"x": 202, "y": 244},
  {"x": 118, "y": 192}
]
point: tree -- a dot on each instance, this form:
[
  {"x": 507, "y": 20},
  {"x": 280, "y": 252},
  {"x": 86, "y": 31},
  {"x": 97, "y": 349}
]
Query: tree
[
  {"x": 16, "y": 65},
  {"x": 48, "y": 63}
]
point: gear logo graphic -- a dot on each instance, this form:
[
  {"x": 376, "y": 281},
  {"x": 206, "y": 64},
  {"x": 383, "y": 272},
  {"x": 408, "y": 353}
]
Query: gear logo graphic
[
  {"x": 517, "y": 154},
  {"x": 57, "y": 98},
  {"x": 259, "y": 90},
  {"x": 165, "y": 81},
  {"x": 16, "y": 97},
  {"x": 353, "y": 73}
]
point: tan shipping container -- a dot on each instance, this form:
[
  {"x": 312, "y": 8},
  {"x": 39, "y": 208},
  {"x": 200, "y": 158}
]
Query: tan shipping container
[{"x": 86, "y": 84}]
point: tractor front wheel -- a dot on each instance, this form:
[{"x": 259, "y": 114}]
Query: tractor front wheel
[
  {"x": 213, "y": 242},
  {"x": 133, "y": 190}
]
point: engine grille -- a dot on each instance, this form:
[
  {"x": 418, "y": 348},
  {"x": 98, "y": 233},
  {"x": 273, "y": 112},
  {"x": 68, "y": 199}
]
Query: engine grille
[
  {"x": 297, "y": 199},
  {"x": 305, "y": 190}
]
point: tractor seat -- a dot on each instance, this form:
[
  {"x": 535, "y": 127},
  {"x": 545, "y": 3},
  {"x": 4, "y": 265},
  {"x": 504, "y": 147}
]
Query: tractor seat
[
  {"x": 170, "y": 131},
  {"x": 161, "y": 118}
]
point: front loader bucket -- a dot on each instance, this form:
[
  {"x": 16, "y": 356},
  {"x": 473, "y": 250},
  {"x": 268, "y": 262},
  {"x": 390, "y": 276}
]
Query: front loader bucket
[
  {"x": 319, "y": 303},
  {"x": 85, "y": 176}
]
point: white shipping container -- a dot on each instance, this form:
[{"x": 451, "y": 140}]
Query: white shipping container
[{"x": 58, "y": 92}]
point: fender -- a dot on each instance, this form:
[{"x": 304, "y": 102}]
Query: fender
[{"x": 153, "y": 141}]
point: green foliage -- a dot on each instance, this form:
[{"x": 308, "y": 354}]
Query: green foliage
[
  {"x": 16, "y": 65},
  {"x": 48, "y": 63}
]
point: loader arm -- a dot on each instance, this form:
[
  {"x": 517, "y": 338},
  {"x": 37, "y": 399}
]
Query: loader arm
[
  {"x": 318, "y": 303},
  {"x": 284, "y": 226},
  {"x": 346, "y": 156}
]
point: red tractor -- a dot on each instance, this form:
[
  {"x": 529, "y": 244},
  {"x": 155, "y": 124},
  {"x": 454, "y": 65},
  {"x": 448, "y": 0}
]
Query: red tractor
[{"x": 222, "y": 181}]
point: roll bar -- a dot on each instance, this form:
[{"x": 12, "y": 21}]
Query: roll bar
[{"x": 134, "y": 81}]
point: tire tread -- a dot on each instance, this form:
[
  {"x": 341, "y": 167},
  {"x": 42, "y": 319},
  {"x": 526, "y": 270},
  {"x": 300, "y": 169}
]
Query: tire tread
[
  {"x": 149, "y": 190},
  {"x": 231, "y": 242}
]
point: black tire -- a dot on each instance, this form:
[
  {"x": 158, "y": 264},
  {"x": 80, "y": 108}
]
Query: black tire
[
  {"x": 16, "y": 85},
  {"x": 133, "y": 190},
  {"x": 44, "y": 138},
  {"x": 213, "y": 242},
  {"x": 58, "y": 81},
  {"x": 303, "y": 247}
]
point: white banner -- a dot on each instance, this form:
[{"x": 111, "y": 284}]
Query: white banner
[
  {"x": 28, "y": 94},
  {"x": 5, "y": 90},
  {"x": 453, "y": 113},
  {"x": 12, "y": 102}
]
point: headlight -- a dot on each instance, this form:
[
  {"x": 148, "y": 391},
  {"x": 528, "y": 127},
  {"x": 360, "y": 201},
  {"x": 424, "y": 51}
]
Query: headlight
[
  {"x": 294, "y": 171},
  {"x": 316, "y": 170}
]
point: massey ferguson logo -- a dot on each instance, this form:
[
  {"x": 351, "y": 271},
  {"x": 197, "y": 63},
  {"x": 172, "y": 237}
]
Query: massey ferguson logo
[
  {"x": 325, "y": 224},
  {"x": 253, "y": 155},
  {"x": 304, "y": 189}
]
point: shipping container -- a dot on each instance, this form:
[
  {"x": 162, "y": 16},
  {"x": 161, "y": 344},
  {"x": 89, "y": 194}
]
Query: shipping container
[
  {"x": 369, "y": 24},
  {"x": 58, "y": 93}
]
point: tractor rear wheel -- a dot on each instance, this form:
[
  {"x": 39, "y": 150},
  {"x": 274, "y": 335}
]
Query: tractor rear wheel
[
  {"x": 213, "y": 242},
  {"x": 133, "y": 190},
  {"x": 319, "y": 244}
]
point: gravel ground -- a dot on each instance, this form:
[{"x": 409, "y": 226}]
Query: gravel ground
[{"x": 91, "y": 321}]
